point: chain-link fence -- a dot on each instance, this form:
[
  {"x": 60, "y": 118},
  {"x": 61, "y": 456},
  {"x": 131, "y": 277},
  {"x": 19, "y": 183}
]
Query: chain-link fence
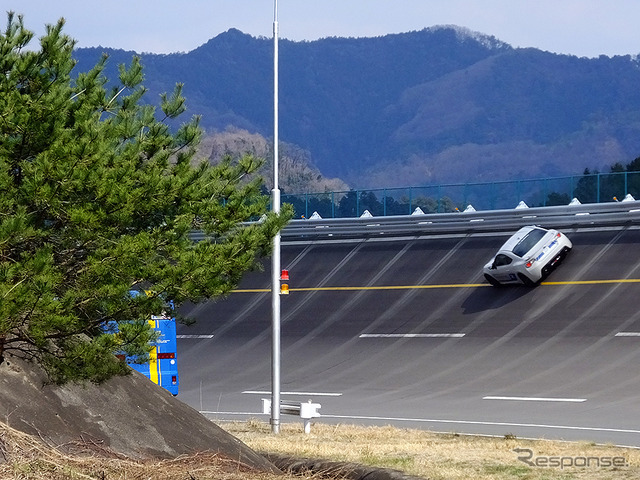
[{"x": 589, "y": 188}]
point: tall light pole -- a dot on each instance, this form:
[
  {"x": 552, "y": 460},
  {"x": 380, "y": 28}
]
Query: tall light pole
[{"x": 275, "y": 259}]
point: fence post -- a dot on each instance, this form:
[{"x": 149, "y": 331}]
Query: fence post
[
  {"x": 410, "y": 200},
  {"x": 572, "y": 191},
  {"x": 626, "y": 185},
  {"x": 492, "y": 195},
  {"x": 333, "y": 205},
  {"x": 464, "y": 196},
  {"x": 384, "y": 202}
]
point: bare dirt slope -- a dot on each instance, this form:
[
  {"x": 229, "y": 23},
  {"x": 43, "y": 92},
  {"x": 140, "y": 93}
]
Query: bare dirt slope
[{"x": 127, "y": 415}]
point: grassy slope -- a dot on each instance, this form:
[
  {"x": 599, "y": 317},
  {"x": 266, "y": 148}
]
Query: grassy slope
[
  {"x": 416, "y": 452},
  {"x": 435, "y": 456}
]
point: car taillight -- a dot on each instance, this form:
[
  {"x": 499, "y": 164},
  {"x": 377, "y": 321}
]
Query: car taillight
[
  {"x": 558, "y": 235},
  {"x": 174, "y": 379},
  {"x": 529, "y": 262},
  {"x": 166, "y": 355}
]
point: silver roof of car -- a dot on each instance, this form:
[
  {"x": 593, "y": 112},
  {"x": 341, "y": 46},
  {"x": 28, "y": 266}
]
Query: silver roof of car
[{"x": 516, "y": 237}]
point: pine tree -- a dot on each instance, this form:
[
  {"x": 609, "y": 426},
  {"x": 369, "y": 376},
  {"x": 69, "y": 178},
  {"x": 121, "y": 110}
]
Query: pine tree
[{"x": 99, "y": 196}]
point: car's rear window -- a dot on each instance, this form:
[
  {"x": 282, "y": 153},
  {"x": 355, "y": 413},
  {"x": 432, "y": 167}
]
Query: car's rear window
[{"x": 528, "y": 242}]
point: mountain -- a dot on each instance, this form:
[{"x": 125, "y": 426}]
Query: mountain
[
  {"x": 297, "y": 172},
  {"x": 443, "y": 104}
]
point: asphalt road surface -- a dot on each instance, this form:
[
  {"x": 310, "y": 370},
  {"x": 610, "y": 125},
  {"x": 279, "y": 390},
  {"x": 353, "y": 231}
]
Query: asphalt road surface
[{"x": 407, "y": 332}]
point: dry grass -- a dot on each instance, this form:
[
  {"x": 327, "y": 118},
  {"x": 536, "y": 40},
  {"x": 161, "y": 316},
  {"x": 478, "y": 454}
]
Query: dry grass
[
  {"x": 438, "y": 456},
  {"x": 415, "y": 452},
  {"x": 25, "y": 457}
]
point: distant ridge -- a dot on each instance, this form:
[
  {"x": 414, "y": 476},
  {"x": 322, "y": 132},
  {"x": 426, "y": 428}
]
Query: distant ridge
[
  {"x": 437, "y": 105},
  {"x": 465, "y": 33}
]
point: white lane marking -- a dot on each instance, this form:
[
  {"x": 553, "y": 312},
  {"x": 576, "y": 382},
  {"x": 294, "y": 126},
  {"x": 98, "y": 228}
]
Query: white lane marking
[
  {"x": 210, "y": 412},
  {"x": 306, "y": 394},
  {"x": 471, "y": 422},
  {"x": 454, "y": 422},
  {"x": 535, "y": 399},
  {"x": 628, "y": 334},
  {"x": 412, "y": 335},
  {"x": 194, "y": 336}
]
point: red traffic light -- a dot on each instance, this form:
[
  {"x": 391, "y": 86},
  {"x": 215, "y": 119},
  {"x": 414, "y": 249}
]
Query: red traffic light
[{"x": 284, "y": 275}]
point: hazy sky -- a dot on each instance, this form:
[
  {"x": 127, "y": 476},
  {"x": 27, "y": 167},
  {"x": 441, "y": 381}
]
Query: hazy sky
[{"x": 577, "y": 27}]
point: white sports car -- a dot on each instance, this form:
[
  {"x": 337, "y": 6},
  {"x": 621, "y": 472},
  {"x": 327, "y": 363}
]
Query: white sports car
[{"x": 527, "y": 257}]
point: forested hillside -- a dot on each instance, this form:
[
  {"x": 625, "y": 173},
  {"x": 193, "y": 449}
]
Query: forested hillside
[
  {"x": 297, "y": 173},
  {"x": 439, "y": 105}
]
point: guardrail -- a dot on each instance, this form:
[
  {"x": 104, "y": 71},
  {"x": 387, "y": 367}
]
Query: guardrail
[
  {"x": 569, "y": 216},
  {"x": 305, "y": 410},
  {"x": 612, "y": 214}
]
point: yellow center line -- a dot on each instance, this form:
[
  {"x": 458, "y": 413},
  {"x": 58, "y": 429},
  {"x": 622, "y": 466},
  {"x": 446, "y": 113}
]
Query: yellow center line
[
  {"x": 423, "y": 287},
  {"x": 393, "y": 287},
  {"x": 594, "y": 282}
]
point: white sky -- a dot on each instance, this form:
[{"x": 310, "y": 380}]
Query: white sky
[{"x": 577, "y": 27}]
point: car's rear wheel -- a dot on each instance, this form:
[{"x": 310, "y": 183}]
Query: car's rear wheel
[
  {"x": 526, "y": 280},
  {"x": 492, "y": 280},
  {"x": 548, "y": 268}
]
